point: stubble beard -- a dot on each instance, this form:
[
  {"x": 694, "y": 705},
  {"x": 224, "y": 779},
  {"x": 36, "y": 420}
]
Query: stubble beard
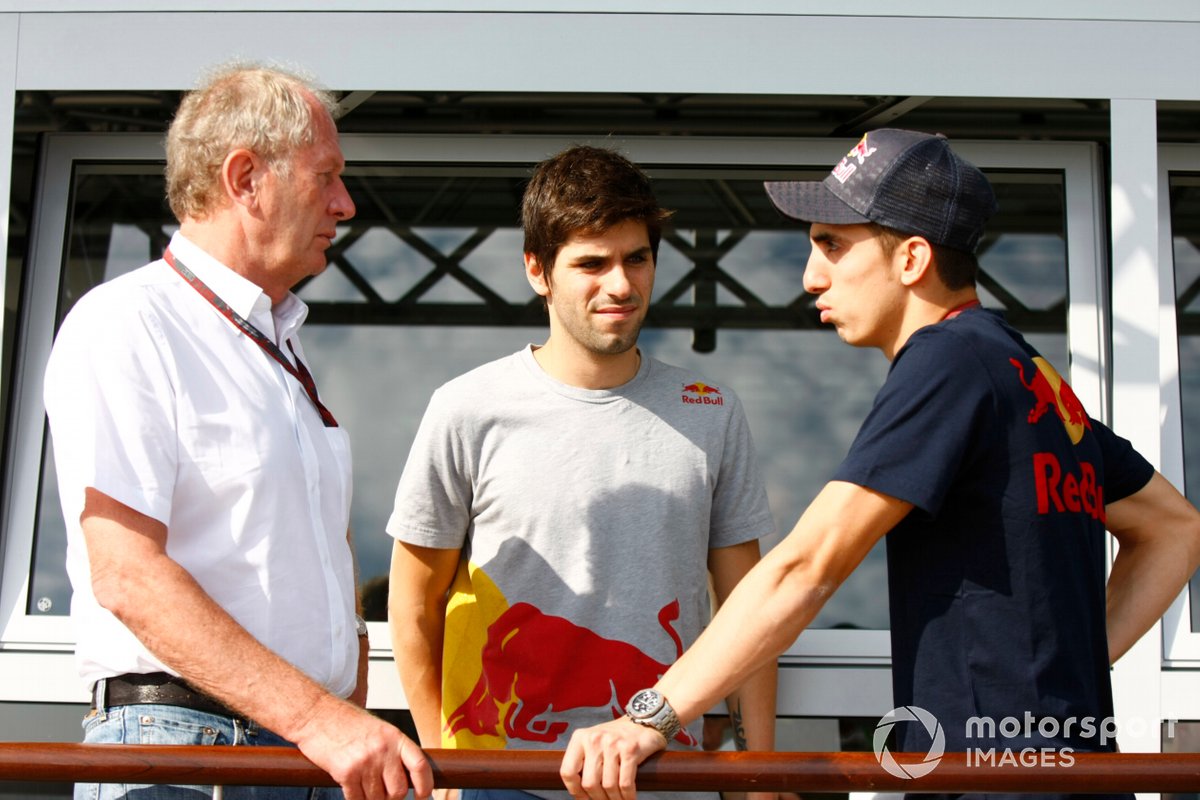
[
  {"x": 586, "y": 332},
  {"x": 612, "y": 343}
]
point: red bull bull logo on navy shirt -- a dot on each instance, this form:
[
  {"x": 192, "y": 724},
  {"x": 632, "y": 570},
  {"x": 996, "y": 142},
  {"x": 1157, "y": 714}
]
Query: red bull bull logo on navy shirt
[{"x": 1058, "y": 490}]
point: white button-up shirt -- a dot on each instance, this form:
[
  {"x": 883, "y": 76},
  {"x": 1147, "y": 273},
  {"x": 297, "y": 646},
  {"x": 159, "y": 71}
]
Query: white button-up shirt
[{"x": 160, "y": 402}]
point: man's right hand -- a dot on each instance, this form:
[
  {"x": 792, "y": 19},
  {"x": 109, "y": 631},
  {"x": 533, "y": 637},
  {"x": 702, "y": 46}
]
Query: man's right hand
[
  {"x": 601, "y": 762},
  {"x": 370, "y": 759}
]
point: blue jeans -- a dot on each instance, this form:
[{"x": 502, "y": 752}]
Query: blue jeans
[
  {"x": 155, "y": 724},
  {"x": 496, "y": 794}
]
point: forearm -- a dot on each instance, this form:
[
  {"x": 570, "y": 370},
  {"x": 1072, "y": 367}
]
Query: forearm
[
  {"x": 418, "y": 654},
  {"x": 172, "y": 615},
  {"x": 1158, "y": 533},
  {"x": 420, "y": 578},
  {"x": 1144, "y": 581},
  {"x": 752, "y": 710},
  {"x": 757, "y": 621},
  {"x": 760, "y": 619},
  {"x": 780, "y": 596},
  {"x": 752, "y": 705}
]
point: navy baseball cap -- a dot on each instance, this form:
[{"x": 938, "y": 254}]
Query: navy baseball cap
[{"x": 906, "y": 180}]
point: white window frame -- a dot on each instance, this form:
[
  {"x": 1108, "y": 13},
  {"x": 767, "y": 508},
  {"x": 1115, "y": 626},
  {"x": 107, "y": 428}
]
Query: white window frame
[
  {"x": 826, "y": 656},
  {"x": 1181, "y": 646}
]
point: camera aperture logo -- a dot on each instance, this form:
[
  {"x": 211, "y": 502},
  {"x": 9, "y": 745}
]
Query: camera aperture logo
[{"x": 909, "y": 714}]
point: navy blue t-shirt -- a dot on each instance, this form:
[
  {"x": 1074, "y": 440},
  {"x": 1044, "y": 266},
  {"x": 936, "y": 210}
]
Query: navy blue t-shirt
[{"x": 996, "y": 578}]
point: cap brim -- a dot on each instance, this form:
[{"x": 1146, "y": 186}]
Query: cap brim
[{"x": 811, "y": 201}]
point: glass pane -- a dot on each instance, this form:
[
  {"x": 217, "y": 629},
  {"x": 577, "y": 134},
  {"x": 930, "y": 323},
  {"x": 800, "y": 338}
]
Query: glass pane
[
  {"x": 49, "y": 591},
  {"x": 437, "y": 251},
  {"x": 1185, "y": 245},
  {"x": 118, "y": 221}
]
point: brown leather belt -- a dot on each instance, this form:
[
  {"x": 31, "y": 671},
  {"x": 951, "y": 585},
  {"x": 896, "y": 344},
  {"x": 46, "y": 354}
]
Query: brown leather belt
[{"x": 157, "y": 688}]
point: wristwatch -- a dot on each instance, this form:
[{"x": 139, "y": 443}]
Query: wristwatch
[
  {"x": 650, "y": 708},
  {"x": 362, "y": 625}
]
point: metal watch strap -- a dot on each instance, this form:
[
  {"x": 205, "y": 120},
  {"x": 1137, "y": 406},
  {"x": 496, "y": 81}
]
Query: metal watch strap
[{"x": 664, "y": 720}]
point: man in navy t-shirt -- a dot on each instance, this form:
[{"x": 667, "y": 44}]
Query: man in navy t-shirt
[{"x": 992, "y": 483}]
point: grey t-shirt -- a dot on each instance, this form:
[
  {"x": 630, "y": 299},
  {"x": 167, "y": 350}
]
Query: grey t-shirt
[{"x": 585, "y": 518}]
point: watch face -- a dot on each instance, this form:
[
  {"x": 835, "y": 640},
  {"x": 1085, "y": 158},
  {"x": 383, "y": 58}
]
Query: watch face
[{"x": 645, "y": 703}]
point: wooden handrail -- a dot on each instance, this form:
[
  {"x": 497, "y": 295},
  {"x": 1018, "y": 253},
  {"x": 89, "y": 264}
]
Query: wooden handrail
[{"x": 526, "y": 769}]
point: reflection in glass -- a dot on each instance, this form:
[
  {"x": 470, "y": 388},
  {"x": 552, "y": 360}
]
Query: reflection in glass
[
  {"x": 427, "y": 282},
  {"x": 1185, "y": 239}
]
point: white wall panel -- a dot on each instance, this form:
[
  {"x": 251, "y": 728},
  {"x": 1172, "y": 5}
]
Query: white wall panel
[
  {"x": 1137, "y": 399},
  {"x": 1162, "y": 10},
  {"x": 549, "y": 52}
]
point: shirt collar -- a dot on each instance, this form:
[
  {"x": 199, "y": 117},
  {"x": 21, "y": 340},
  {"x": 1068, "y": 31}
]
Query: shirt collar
[{"x": 245, "y": 297}]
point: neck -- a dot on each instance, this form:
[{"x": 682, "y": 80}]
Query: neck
[
  {"x": 588, "y": 370},
  {"x": 961, "y": 307},
  {"x": 925, "y": 311},
  {"x": 227, "y": 244}
]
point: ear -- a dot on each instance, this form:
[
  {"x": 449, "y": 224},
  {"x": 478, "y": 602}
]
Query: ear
[
  {"x": 241, "y": 172},
  {"x": 914, "y": 259},
  {"x": 536, "y": 275}
]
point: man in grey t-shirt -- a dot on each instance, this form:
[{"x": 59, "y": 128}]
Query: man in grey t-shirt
[{"x": 562, "y": 507}]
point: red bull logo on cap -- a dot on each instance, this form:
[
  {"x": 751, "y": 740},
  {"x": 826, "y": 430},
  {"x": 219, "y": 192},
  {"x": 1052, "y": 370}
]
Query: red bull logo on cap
[
  {"x": 853, "y": 160},
  {"x": 536, "y": 666},
  {"x": 702, "y": 394}
]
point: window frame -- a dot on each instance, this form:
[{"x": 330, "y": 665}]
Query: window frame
[
  {"x": 1087, "y": 324},
  {"x": 1181, "y": 645}
]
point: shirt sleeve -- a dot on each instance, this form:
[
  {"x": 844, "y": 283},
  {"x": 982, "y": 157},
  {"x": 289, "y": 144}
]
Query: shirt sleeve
[
  {"x": 1126, "y": 471},
  {"x": 740, "y": 511},
  {"x": 434, "y": 497},
  {"x": 110, "y": 399},
  {"x": 925, "y": 422}
]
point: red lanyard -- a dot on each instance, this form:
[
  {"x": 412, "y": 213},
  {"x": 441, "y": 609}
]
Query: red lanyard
[
  {"x": 954, "y": 312},
  {"x": 297, "y": 371}
]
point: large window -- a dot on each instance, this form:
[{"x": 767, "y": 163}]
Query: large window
[
  {"x": 1185, "y": 238},
  {"x": 426, "y": 282},
  {"x": 1181, "y": 175}
]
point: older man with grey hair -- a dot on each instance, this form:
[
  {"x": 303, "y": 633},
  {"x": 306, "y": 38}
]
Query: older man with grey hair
[{"x": 205, "y": 486}]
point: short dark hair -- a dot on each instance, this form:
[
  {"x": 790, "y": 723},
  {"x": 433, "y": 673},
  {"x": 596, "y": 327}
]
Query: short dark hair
[
  {"x": 585, "y": 190},
  {"x": 957, "y": 269}
]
